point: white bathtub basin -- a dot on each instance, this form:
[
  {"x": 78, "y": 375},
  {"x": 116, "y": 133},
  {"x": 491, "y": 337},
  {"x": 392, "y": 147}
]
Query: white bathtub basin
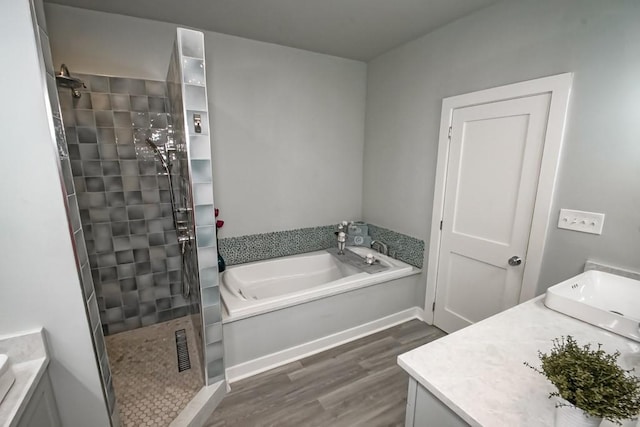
[
  {"x": 605, "y": 300},
  {"x": 6, "y": 376},
  {"x": 259, "y": 287}
]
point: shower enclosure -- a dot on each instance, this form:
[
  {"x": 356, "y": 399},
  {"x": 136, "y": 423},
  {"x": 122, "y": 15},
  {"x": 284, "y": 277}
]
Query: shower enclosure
[
  {"x": 140, "y": 157},
  {"x": 187, "y": 90}
]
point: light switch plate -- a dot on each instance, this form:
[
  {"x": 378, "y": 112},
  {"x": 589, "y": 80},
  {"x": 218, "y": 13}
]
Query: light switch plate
[{"x": 585, "y": 222}]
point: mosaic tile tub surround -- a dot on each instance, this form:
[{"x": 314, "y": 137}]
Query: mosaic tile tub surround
[
  {"x": 402, "y": 247},
  {"x": 257, "y": 247}
]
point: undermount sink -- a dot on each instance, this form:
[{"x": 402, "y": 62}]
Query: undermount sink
[
  {"x": 604, "y": 300},
  {"x": 6, "y": 376}
]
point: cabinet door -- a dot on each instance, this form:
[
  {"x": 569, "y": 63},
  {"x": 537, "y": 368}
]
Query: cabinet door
[
  {"x": 425, "y": 410},
  {"x": 41, "y": 411}
]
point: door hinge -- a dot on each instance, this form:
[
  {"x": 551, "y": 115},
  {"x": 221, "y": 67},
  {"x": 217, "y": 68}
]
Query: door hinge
[
  {"x": 449, "y": 132},
  {"x": 440, "y": 225},
  {"x": 433, "y": 306}
]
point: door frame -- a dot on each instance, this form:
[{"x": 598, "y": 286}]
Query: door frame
[{"x": 559, "y": 86}]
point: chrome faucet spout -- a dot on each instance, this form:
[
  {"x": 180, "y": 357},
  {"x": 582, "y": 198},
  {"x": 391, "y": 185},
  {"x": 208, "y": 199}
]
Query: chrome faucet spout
[
  {"x": 380, "y": 247},
  {"x": 342, "y": 241},
  {"x": 341, "y": 235}
]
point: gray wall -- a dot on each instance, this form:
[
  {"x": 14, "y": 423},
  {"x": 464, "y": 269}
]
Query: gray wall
[
  {"x": 40, "y": 286},
  {"x": 288, "y": 125},
  {"x": 260, "y": 92},
  {"x": 510, "y": 42}
]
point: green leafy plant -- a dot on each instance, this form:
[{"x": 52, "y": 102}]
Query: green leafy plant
[{"x": 591, "y": 380}]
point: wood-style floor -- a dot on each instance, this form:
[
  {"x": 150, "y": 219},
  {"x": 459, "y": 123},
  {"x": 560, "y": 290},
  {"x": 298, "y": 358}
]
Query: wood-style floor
[{"x": 356, "y": 384}]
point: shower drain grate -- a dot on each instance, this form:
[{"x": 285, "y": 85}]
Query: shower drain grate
[{"x": 184, "y": 362}]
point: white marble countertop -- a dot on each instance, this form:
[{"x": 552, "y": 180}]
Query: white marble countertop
[
  {"x": 28, "y": 356},
  {"x": 478, "y": 372}
]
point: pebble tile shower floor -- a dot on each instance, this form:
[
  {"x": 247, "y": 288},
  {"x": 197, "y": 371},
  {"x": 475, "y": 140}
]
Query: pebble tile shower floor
[{"x": 149, "y": 389}]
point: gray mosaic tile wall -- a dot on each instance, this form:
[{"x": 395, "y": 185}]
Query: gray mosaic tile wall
[
  {"x": 402, "y": 247},
  {"x": 256, "y": 247},
  {"x": 124, "y": 200},
  {"x": 73, "y": 213}
]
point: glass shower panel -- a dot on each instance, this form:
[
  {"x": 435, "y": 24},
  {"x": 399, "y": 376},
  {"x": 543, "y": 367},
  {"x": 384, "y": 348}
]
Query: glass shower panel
[
  {"x": 186, "y": 82},
  {"x": 73, "y": 213}
]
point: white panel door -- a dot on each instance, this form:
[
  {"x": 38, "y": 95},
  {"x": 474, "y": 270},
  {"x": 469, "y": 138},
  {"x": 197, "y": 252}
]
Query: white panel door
[{"x": 495, "y": 152}]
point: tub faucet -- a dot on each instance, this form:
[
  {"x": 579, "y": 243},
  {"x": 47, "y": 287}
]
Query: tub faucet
[
  {"x": 380, "y": 247},
  {"x": 341, "y": 235},
  {"x": 342, "y": 240}
]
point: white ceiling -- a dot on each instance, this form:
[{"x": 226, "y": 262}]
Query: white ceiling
[{"x": 357, "y": 29}]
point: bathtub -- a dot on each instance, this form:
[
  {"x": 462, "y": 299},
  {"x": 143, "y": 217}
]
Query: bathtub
[{"x": 259, "y": 287}]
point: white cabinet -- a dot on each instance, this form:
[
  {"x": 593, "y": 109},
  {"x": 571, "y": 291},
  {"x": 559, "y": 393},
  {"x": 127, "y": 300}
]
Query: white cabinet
[
  {"x": 41, "y": 411},
  {"x": 425, "y": 410}
]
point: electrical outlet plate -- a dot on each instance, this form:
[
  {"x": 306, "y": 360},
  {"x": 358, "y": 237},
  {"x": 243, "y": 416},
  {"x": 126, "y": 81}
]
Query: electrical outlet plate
[{"x": 585, "y": 222}]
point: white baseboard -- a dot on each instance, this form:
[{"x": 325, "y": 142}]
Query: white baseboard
[
  {"x": 273, "y": 360},
  {"x": 200, "y": 408},
  {"x": 421, "y": 315}
]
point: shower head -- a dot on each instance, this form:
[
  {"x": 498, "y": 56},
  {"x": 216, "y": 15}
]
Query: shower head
[
  {"x": 159, "y": 154},
  {"x": 64, "y": 79}
]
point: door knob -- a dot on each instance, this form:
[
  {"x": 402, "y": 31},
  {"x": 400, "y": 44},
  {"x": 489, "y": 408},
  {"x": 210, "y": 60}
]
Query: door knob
[{"x": 515, "y": 260}]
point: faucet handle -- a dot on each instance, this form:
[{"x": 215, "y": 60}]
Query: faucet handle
[{"x": 380, "y": 247}]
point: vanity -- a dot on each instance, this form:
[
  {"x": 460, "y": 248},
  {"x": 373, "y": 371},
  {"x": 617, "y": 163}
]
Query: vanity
[
  {"x": 477, "y": 376},
  {"x": 29, "y": 401}
]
